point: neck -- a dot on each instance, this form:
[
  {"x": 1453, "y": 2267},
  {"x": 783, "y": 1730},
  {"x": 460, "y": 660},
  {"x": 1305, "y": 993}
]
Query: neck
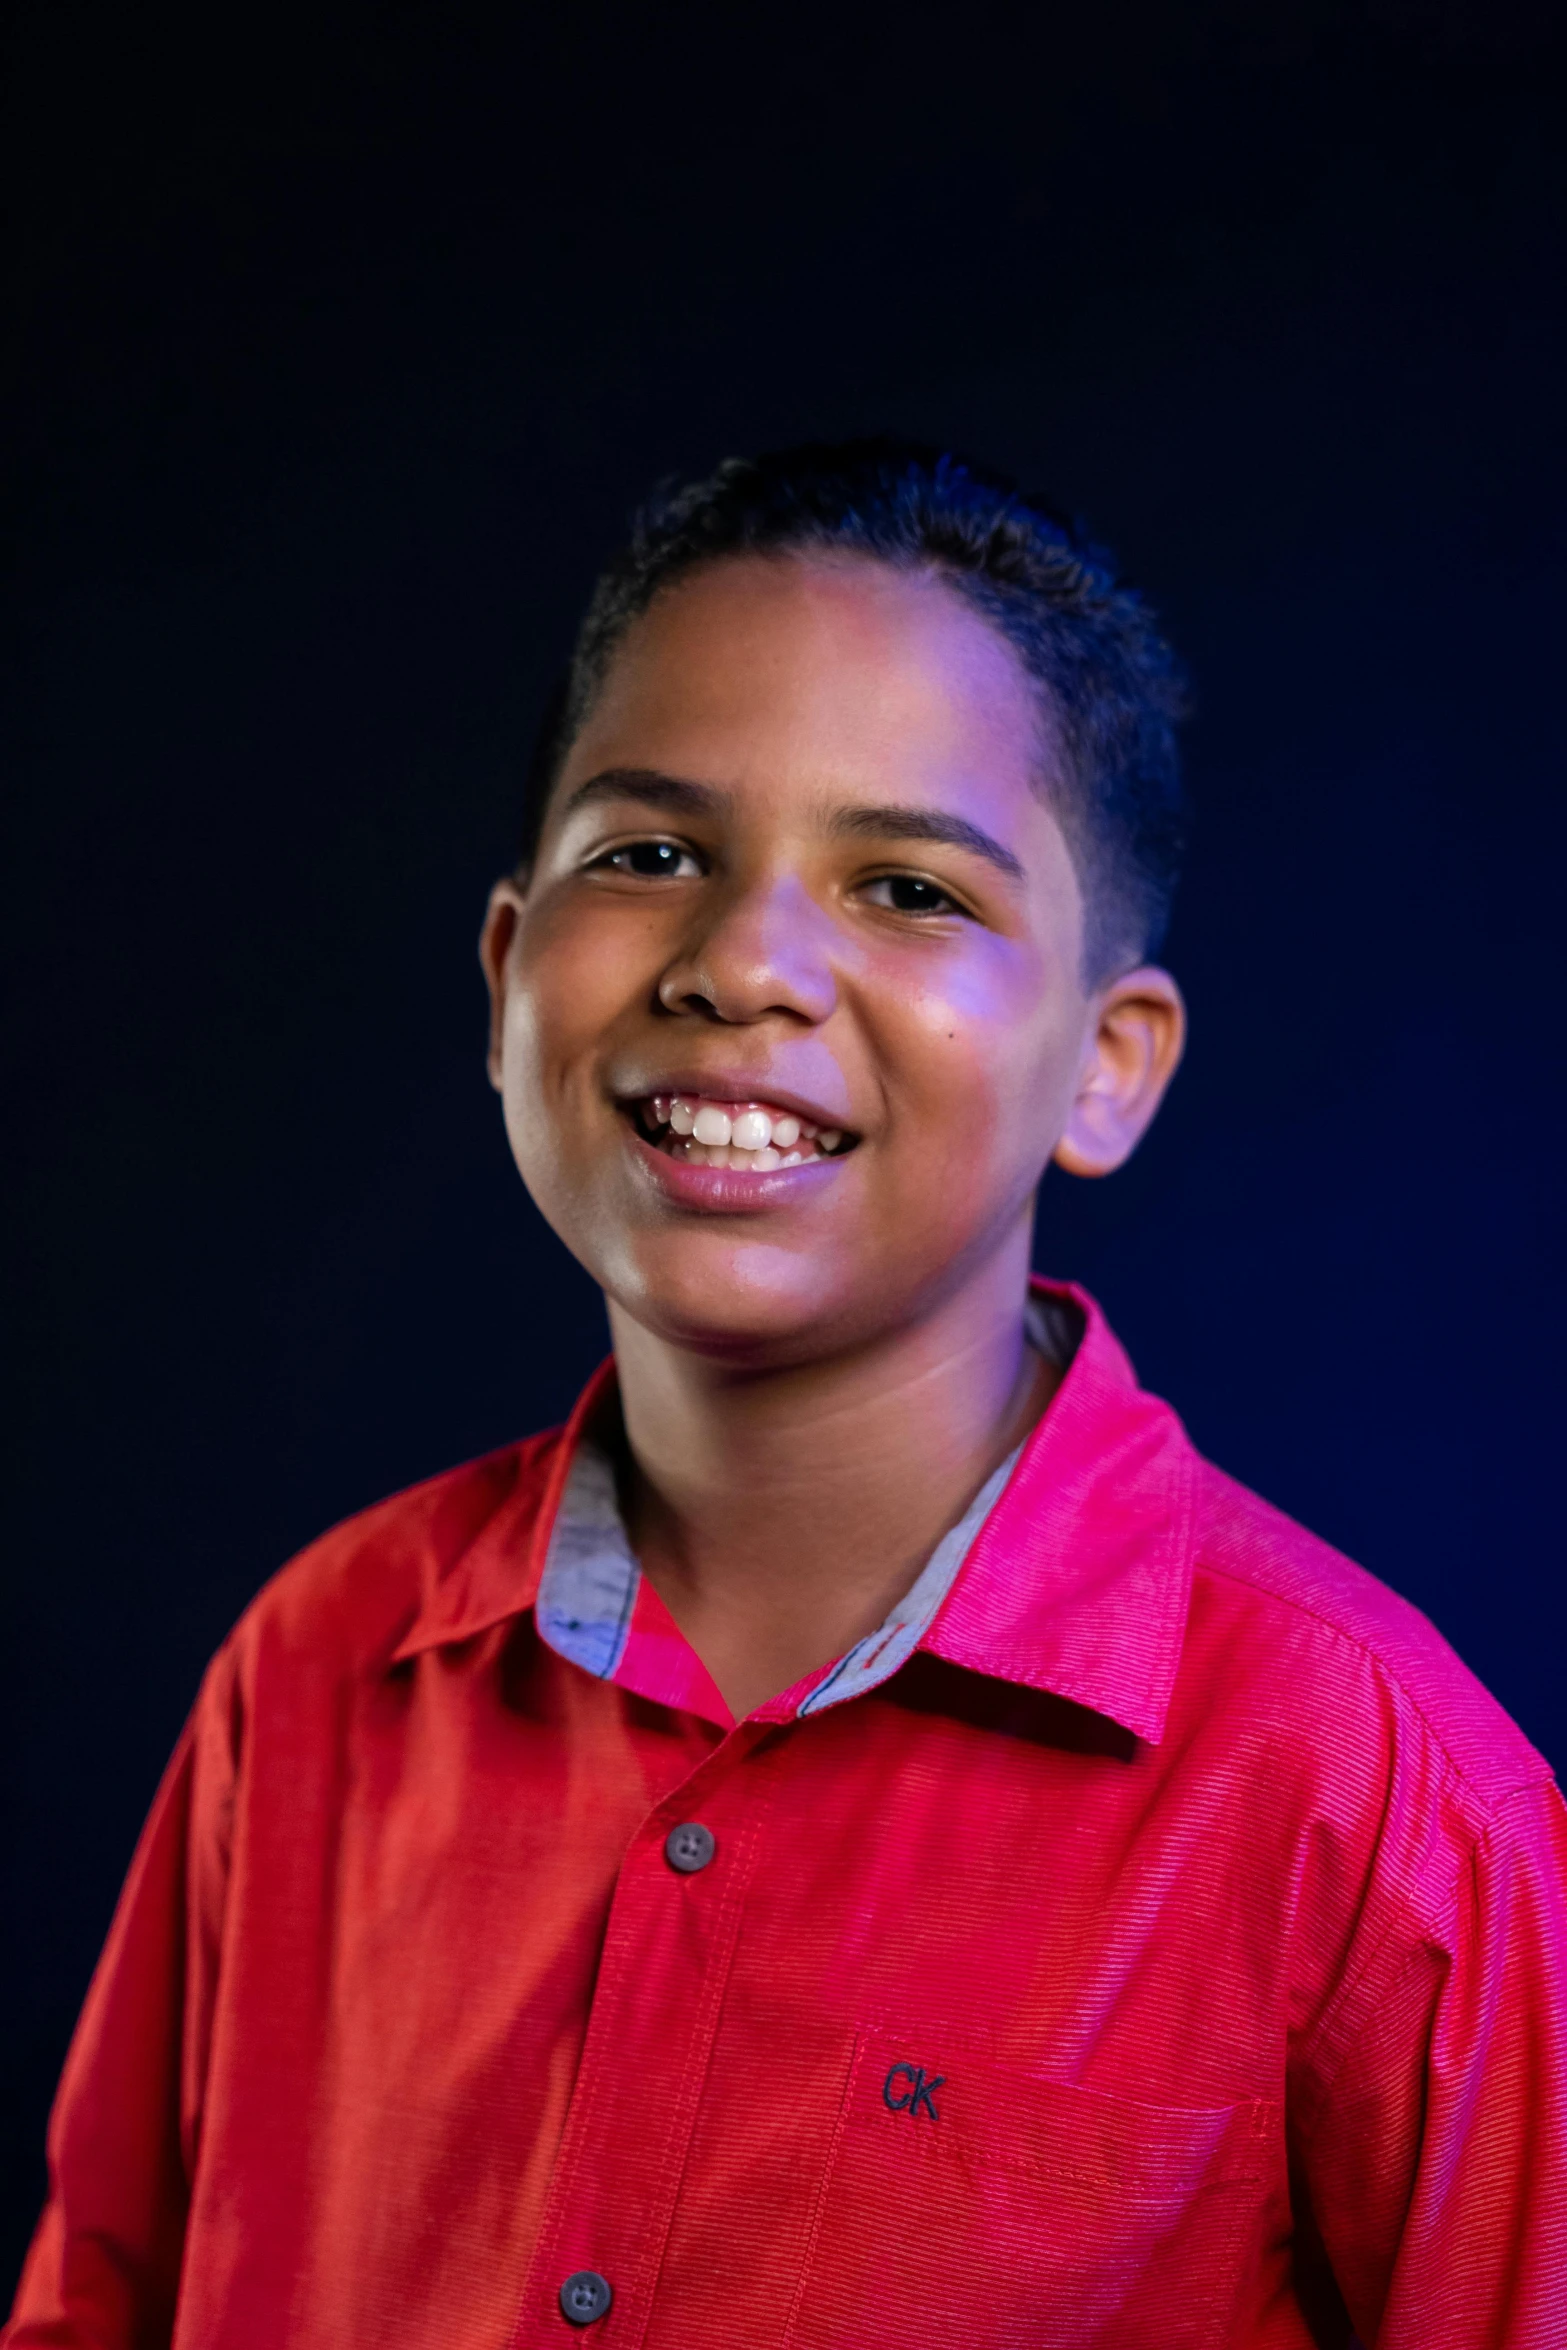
[{"x": 780, "y": 1514}]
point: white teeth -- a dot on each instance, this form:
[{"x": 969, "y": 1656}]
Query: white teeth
[{"x": 750, "y": 1141}]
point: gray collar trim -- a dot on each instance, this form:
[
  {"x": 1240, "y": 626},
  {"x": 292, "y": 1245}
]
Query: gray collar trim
[
  {"x": 588, "y": 1586},
  {"x": 877, "y": 1657}
]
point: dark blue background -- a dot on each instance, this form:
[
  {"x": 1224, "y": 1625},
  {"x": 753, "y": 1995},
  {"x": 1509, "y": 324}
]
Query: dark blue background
[{"x": 341, "y": 352}]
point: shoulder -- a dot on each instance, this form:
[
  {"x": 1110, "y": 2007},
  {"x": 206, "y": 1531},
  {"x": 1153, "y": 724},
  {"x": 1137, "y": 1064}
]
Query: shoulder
[
  {"x": 1368, "y": 1674},
  {"x": 349, "y": 1598}
]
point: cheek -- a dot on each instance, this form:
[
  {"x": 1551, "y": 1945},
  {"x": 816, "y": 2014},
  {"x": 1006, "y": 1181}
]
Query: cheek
[
  {"x": 560, "y": 1002},
  {"x": 990, "y": 1045},
  {"x": 522, "y": 1079}
]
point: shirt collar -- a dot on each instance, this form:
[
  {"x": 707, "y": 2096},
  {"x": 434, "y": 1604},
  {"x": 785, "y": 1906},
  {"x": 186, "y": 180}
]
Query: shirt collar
[
  {"x": 1069, "y": 1572},
  {"x": 1080, "y": 1579}
]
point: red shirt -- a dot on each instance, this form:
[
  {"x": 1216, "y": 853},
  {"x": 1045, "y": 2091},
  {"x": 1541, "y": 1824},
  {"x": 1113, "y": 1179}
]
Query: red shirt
[{"x": 1170, "y": 1953}]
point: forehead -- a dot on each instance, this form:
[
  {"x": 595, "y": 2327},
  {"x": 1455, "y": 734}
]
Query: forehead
[{"x": 830, "y": 674}]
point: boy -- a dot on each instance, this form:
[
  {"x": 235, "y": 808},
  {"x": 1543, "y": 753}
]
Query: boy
[{"x": 863, "y": 1837}]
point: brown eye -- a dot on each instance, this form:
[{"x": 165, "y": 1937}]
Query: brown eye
[
  {"x": 651, "y": 860},
  {"x": 906, "y": 893}
]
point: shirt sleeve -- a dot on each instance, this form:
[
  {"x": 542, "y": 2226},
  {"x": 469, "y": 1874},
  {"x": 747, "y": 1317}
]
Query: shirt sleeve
[
  {"x": 1438, "y": 2165},
  {"x": 103, "y": 2269}
]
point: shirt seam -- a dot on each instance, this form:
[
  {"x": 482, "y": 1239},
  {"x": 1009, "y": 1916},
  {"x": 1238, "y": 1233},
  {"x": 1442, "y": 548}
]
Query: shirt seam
[
  {"x": 628, "y": 1606},
  {"x": 1485, "y": 1808},
  {"x": 1429, "y": 1923},
  {"x": 1426, "y": 1929}
]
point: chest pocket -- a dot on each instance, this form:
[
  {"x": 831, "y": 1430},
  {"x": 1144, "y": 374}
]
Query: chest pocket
[{"x": 967, "y": 2207}]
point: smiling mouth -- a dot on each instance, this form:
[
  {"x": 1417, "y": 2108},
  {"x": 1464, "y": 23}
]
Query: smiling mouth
[{"x": 749, "y": 1138}]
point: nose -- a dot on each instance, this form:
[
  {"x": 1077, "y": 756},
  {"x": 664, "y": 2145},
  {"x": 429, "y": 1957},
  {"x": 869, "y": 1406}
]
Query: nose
[{"x": 764, "y": 949}]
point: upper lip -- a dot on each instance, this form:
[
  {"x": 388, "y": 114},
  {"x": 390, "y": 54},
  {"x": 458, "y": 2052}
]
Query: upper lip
[{"x": 728, "y": 1086}]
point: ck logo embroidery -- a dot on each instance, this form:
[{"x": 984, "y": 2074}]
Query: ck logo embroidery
[{"x": 908, "y": 2089}]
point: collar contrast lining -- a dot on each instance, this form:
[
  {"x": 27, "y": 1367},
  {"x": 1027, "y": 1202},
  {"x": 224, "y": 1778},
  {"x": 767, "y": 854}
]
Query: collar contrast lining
[
  {"x": 1078, "y": 1580},
  {"x": 588, "y": 1586}
]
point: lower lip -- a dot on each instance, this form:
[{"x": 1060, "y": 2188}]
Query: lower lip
[{"x": 721, "y": 1190}]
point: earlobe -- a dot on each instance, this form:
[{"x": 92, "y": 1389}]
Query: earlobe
[{"x": 1134, "y": 1051}]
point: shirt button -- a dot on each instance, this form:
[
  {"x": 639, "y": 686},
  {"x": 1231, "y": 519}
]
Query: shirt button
[
  {"x": 585, "y": 2296},
  {"x": 689, "y": 1847}
]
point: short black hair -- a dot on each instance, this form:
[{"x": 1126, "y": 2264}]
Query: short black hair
[{"x": 1115, "y": 692}]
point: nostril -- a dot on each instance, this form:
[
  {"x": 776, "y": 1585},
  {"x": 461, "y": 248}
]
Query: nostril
[{"x": 694, "y": 1002}]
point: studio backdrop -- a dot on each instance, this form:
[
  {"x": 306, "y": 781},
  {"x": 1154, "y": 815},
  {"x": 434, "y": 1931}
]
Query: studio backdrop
[{"x": 340, "y": 353}]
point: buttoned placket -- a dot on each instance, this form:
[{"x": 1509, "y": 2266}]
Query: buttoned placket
[
  {"x": 644, "y": 2060},
  {"x": 639, "y": 2083}
]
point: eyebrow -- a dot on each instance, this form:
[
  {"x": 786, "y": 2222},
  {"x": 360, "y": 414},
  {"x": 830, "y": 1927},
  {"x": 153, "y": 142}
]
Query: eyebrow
[
  {"x": 672, "y": 794},
  {"x": 951, "y": 832},
  {"x": 675, "y": 795}
]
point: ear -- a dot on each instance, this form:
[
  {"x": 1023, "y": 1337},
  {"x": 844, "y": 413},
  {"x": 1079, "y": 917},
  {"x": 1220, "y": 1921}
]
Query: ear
[
  {"x": 1133, "y": 1051},
  {"x": 500, "y": 928}
]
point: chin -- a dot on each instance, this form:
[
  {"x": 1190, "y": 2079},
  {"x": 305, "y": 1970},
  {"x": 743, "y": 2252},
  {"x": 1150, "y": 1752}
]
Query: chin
[{"x": 754, "y": 1304}]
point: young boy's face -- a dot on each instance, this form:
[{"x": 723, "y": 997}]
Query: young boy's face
[{"x": 799, "y": 862}]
